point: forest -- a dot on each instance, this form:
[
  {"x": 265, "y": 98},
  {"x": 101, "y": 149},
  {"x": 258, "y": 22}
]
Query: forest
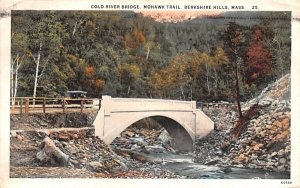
[{"x": 126, "y": 54}]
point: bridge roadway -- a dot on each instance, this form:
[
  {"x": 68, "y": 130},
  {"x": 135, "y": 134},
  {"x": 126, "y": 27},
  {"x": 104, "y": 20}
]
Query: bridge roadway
[{"x": 183, "y": 121}]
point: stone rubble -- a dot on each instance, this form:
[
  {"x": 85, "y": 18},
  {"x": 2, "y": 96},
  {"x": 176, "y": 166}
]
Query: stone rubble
[
  {"x": 94, "y": 155},
  {"x": 144, "y": 140},
  {"x": 89, "y": 154},
  {"x": 264, "y": 143}
]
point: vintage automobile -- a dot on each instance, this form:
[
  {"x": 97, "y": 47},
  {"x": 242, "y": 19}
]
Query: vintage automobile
[{"x": 75, "y": 97}]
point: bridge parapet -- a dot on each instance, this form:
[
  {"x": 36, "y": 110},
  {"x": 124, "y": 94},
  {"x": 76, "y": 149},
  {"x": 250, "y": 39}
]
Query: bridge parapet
[{"x": 112, "y": 105}]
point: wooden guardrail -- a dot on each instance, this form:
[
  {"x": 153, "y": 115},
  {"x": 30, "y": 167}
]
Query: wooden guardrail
[
  {"x": 43, "y": 104},
  {"x": 214, "y": 105}
]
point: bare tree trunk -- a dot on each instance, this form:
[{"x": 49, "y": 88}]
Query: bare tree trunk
[
  {"x": 128, "y": 90},
  {"x": 280, "y": 54},
  {"x": 16, "y": 84},
  {"x": 280, "y": 58},
  {"x": 37, "y": 61},
  {"x": 12, "y": 86},
  {"x": 191, "y": 92},
  {"x": 16, "y": 77},
  {"x": 207, "y": 78},
  {"x": 238, "y": 89},
  {"x": 182, "y": 93},
  {"x": 74, "y": 30},
  {"x": 12, "y": 80},
  {"x": 148, "y": 51},
  {"x": 216, "y": 82}
]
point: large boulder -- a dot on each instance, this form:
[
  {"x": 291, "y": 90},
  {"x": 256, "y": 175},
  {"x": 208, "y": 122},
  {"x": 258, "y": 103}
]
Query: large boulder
[
  {"x": 164, "y": 137},
  {"x": 50, "y": 155}
]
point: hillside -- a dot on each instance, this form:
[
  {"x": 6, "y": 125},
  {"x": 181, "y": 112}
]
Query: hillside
[
  {"x": 126, "y": 54},
  {"x": 264, "y": 142}
]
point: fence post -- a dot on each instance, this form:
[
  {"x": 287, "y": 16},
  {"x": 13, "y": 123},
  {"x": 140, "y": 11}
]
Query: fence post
[
  {"x": 81, "y": 106},
  {"x": 26, "y": 105},
  {"x": 21, "y": 106},
  {"x": 44, "y": 105},
  {"x": 11, "y": 103},
  {"x": 63, "y": 105},
  {"x": 99, "y": 104}
]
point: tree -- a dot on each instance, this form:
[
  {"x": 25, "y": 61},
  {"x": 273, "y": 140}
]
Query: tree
[
  {"x": 128, "y": 75},
  {"x": 280, "y": 44},
  {"x": 92, "y": 83},
  {"x": 258, "y": 56},
  {"x": 134, "y": 39},
  {"x": 46, "y": 34},
  {"x": 19, "y": 44},
  {"x": 233, "y": 40},
  {"x": 14, "y": 75},
  {"x": 219, "y": 63},
  {"x": 181, "y": 60}
]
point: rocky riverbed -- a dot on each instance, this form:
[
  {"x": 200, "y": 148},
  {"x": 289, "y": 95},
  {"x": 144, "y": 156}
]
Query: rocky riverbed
[
  {"x": 64, "y": 145},
  {"x": 137, "y": 153},
  {"x": 85, "y": 155}
]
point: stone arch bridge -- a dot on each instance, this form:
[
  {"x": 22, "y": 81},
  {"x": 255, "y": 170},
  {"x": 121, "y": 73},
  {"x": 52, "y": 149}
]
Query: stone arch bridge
[{"x": 183, "y": 121}]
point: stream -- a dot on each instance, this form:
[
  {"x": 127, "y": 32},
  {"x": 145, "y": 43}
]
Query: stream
[{"x": 149, "y": 147}]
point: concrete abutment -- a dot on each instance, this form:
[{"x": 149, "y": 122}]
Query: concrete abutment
[{"x": 180, "y": 118}]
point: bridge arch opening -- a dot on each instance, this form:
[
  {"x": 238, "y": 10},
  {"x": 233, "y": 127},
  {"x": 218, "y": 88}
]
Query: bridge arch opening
[{"x": 180, "y": 138}]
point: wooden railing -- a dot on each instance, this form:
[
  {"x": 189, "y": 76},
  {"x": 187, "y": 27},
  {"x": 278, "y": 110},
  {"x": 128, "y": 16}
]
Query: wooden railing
[
  {"x": 202, "y": 105},
  {"x": 48, "y": 105},
  {"x": 45, "y": 105}
]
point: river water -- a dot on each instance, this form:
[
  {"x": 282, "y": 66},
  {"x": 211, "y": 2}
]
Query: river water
[{"x": 183, "y": 165}]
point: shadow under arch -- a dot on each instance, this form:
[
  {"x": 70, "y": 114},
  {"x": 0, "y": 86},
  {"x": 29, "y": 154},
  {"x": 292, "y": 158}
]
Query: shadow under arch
[{"x": 181, "y": 139}]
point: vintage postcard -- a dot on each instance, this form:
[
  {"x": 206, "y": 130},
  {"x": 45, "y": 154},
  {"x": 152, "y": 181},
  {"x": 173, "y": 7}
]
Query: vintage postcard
[{"x": 149, "y": 93}]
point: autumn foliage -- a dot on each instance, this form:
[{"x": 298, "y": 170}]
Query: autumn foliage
[
  {"x": 258, "y": 55},
  {"x": 125, "y": 54}
]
